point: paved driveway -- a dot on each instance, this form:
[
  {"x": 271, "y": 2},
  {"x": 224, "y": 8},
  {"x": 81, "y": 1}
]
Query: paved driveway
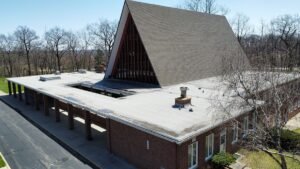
[{"x": 26, "y": 147}]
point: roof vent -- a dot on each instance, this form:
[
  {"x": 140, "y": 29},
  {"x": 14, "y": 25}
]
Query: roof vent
[
  {"x": 183, "y": 99},
  {"x": 47, "y": 78},
  {"x": 57, "y": 72},
  {"x": 82, "y": 71}
]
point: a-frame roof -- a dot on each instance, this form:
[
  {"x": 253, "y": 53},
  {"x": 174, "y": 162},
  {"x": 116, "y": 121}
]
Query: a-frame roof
[{"x": 183, "y": 45}]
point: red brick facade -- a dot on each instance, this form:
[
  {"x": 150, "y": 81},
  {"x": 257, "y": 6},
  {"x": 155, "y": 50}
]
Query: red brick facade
[{"x": 131, "y": 144}]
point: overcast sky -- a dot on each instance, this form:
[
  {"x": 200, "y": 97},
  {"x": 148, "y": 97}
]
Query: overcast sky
[{"x": 41, "y": 15}]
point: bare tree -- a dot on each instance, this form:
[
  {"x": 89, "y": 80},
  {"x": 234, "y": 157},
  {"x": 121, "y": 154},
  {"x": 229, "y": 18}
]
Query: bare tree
[
  {"x": 286, "y": 27},
  {"x": 56, "y": 39},
  {"x": 271, "y": 96},
  {"x": 104, "y": 35},
  {"x": 7, "y": 47},
  {"x": 240, "y": 25},
  {"x": 73, "y": 47},
  {"x": 26, "y": 38},
  {"x": 205, "y": 6},
  {"x": 86, "y": 48}
]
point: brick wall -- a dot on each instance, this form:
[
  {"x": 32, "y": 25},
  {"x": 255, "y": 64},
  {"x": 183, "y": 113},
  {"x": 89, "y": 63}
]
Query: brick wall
[
  {"x": 131, "y": 144},
  {"x": 183, "y": 148}
]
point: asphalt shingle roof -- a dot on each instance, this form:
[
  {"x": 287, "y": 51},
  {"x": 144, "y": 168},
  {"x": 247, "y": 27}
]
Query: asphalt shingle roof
[{"x": 183, "y": 45}]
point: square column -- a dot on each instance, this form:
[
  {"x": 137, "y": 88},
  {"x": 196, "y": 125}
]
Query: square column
[
  {"x": 57, "y": 113},
  {"x": 14, "y": 90},
  {"x": 36, "y": 100},
  {"x": 46, "y": 105},
  {"x": 26, "y": 96},
  {"x": 20, "y": 92},
  {"x": 70, "y": 116},
  {"x": 9, "y": 87},
  {"x": 108, "y": 134},
  {"x": 88, "y": 129}
]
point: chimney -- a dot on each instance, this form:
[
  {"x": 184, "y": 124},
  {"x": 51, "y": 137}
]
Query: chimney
[{"x": 183, "y": 99}]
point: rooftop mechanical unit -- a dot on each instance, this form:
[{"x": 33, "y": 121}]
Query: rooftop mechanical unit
[{"x": 48, "y": 78}]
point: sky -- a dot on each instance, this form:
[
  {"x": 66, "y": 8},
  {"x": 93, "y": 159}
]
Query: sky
[{"x": 74, "y": 15}]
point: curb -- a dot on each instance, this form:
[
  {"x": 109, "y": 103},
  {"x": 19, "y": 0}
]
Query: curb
[{"x": 56, "y": 139}]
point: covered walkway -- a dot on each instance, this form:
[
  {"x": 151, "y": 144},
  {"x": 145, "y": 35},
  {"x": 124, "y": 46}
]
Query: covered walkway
[{"x": 81, "y": 132}]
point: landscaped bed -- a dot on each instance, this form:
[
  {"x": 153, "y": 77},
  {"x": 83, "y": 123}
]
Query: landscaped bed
[
  {"x": 3, "y": 85},
  {"x": 261, "y": 160},
  {"x": 2, "y": 162}
]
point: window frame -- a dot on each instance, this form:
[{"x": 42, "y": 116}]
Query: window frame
[
  {"x": 245, "y": 127},
  {"x": 235, "y": 132},
  {"x": 207, "y": 147},
  {"x": 223, "y": 132},
  {"x": 190, "y": 161},
  {"x": 254, "y": 120}
]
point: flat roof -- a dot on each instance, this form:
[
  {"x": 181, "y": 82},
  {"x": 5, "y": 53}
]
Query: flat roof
[{"x": 149, "y": 109}]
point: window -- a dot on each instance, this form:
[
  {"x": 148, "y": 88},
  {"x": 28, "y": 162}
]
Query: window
[
  {"x": 245, "y": 126},
  {"x": 235, "y": 132},
  {"x": 193, "y": 155},
  {"x": 223, "y": 140},
  {"x": 209, "y": 146},
  {"x": 254, "y": 120},
  {"x": 148, "y": 144}
]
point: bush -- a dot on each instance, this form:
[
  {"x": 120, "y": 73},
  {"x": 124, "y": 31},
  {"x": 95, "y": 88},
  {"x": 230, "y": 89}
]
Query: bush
[
  {"x": 222, "y": 160},
  {"x": 290, "y": 140}
]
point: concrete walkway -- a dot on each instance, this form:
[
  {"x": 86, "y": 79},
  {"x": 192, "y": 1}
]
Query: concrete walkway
[
  {"x": 94, "y": 152},
  {"x": 238, "y": 163},
  {"x": 293, "y": 123}
]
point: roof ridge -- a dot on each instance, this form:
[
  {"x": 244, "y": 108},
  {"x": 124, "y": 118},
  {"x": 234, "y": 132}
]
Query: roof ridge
[{"x": 173, "y": 8}]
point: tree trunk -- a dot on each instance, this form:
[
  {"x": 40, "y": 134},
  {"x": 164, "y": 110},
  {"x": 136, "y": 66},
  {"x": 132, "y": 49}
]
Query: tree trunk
[
  {"x": 283, "y": 161},
  {"x": 28, "y": 63}
]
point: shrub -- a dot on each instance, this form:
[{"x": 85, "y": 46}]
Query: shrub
[
  {"x": 290, "y": 140},
  {"x": 222, "y": 160}
]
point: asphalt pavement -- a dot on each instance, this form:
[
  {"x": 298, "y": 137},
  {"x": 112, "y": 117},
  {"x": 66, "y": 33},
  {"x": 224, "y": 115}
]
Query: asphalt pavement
[{"x": 26, "y": 147}]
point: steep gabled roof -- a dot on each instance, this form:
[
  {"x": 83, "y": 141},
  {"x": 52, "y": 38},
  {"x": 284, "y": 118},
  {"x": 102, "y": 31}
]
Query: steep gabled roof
[{"x": 183, "y": 45}]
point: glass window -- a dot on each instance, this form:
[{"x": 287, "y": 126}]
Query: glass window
[
  {"x": 223, "y": 140},
  {"x": 235, "y": 132},
  {"x": 254, "y": 120},
  {"x": 193, "y": 155},
  {"x": 209, "y": 146},
  {"x": 245, "y": 126}
]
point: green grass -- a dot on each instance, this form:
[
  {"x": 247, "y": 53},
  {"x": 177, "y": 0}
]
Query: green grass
[
  {"x": 261, "y": 160},
  {"x": 297, "y": 131},
  {"x": 2, "y": 163},
  {"x": 3, "y": 85}
]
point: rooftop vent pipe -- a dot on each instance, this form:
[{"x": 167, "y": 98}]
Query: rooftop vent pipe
[
  {"x": 183, "y": 91},
  {"x": 183, "y": 99}
]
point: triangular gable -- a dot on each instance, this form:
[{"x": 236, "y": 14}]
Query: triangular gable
[
  {"x": 181, "y": 45},
  {"x": 132, "y": 62}
]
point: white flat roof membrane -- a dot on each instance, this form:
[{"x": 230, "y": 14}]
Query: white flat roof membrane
[{"x": 149, "y": 109}]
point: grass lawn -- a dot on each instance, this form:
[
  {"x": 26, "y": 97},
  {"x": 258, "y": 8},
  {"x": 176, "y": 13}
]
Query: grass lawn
[
  {"x": 261, "y": 160},
  {"x": 297, "y": 131},
  {"x": 2, "y": 163},
  {"x": 3, "y": 85}
]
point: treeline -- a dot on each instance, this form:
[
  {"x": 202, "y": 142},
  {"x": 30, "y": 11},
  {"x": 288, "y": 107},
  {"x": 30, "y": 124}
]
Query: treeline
[
  {"x": 276, "y": 45},
  {"x": 23, "y": 52}
]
